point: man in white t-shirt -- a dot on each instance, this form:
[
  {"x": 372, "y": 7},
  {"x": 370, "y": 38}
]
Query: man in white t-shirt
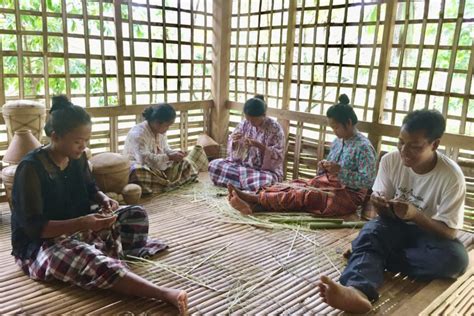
[{"x": 419, "y": 196}]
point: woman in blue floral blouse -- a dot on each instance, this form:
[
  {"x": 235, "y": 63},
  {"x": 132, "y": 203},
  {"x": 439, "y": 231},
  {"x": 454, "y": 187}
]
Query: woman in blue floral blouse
[{"x": 342, "y": 181}]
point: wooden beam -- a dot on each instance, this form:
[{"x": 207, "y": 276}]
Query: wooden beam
[
  {"x": 119, "y": 47},
  {"x": 2, "y": 87},
  {"x": 138, "y": 109},
  {"x": 285, "y": 104},
  {"x": 220, "y": 62},
  {"x": 113, "y": 137},
  {"x": 384, "y": 64},
  {"x": 290, "y": 42}
]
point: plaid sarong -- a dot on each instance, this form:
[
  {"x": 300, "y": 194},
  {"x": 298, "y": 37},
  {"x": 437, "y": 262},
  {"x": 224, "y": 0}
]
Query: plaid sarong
[
  {"x": 92, "y": 259},
  {"x": 157, "y": 181},
  {"x": 283, "y": 197},
  {"x": 223, "y": 172}
]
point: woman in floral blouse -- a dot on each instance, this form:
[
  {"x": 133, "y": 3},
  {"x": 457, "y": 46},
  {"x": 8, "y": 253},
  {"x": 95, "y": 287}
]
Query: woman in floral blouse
[
  {"x": 254, "y": 151},
  {"x": 343, "y": 178}
]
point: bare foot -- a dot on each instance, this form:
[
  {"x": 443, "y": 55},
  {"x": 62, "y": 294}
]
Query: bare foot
[
  {"x": 249, "y": 198},
  {"x": 183, "y": 303},
  {"x": 178, "y": 298},
  {"x": 240, "y": 205},
  {"x": 343, "y": 297}
]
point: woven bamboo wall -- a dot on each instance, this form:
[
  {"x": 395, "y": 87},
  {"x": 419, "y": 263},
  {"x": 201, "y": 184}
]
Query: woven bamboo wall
[
  {"x": 112, "y": 57},
  {"x": 389, "y": 57},
  {"x": 106, "y": 53}
]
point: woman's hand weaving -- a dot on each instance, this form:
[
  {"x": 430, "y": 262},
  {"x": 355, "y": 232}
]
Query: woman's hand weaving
[
  {"x": 97, "y": 222},
  {"x": 108, "y": 205}
]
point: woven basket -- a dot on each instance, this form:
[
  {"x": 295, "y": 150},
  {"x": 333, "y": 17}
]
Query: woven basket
[
  {"x": 111, "y": 171},
  {"x": 24, "y": 114},
  {"x": 198, "y": 157},
  {"x": 8, "y": 175},
  {"x": 132, "y": 193}
]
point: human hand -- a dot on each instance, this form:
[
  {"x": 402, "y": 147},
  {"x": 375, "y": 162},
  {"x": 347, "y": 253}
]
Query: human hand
[
  {"x": 237, "y": 137},
  {"x": 381, "y": 205},
  {"x": 108, "y": 205},
  {"x": 254, "y": 143},
  {"x": 176, "y": 156},
  {"x": 403, "y": 209},
  {"x": 331, "y": 167},
  {"x": 97, "y": 222},
  {"x": 321, "y": 164}
]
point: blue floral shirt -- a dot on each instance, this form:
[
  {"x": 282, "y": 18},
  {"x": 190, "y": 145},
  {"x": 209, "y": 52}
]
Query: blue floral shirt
[{"x": 357, "y": 158}]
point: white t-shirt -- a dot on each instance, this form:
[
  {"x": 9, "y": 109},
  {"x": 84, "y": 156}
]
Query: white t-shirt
[{"x": 440, "y": 193}]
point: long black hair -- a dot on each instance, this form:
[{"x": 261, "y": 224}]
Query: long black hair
[
  {"x": 255, "y": 106},
  {"x": 65, "y": 116},
  {"x": 342, "y": 112},
  {"x": 160, "y": 113}
]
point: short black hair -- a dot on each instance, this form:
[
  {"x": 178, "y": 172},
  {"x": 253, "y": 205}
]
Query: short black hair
[
  {"x": 65, "y": 116},
  {"x": 255, "y": 106},
  {"x": 160, "y": 113},
  {"x": 342, "y": 112},
  {"x": 431, "y": 122}
]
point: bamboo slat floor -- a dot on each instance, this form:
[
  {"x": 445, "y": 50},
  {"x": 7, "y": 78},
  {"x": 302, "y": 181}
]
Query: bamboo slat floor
[
  {"x": 458, "y": 299},
  {"x": 232, "y": 267}
]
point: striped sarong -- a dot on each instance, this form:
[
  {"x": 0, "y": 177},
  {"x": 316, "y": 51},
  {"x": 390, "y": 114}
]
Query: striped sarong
[
  {"x": 93, "y": 259},
  {"x": 223, "y": 172},
  {"x": 157, "y": 181}
]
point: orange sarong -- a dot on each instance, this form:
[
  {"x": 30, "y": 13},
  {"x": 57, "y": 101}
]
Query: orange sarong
[{"x": 296, "y": 196}]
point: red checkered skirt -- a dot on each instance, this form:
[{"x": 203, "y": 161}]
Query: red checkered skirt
[{"x": 335, "y": 200}]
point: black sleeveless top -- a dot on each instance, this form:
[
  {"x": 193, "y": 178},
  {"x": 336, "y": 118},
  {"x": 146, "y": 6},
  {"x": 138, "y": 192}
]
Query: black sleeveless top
[{"x": 42, "y": 192}]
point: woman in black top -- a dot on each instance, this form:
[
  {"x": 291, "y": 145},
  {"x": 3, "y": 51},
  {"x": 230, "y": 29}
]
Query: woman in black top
[{"x": 55, "y": 235}]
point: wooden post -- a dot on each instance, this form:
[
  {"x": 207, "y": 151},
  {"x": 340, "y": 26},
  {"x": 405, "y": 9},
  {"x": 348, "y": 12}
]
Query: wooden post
[
  {"x": 19, "y": 45},
  {"x": 113, "y": 136},
  {"x": 66, "y": 48},
  {"x": 220, "y": 62},
  {"x": 290, "y": 42},
  {"x": 2, "y": 87},
  {"x": 384, "y": 64},
  {"x": 120, "y": 63}
]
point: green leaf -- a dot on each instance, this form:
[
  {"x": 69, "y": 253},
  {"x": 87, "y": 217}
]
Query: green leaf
[
  {"x": 53, "y": 5},
  {"x": 7, "y": 4}
]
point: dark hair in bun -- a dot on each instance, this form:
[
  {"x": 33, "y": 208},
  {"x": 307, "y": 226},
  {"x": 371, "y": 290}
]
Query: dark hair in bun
[
  {"x": 255, "y": 106},
  {"x": 160, "y": 113},
  {"x": 65, "y": 116},
  {"x": 342, "y": 112}
]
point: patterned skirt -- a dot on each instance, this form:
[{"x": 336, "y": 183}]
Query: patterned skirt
[
  {"x": 223, "y": 172},
  {"x": 93, "y": 259},
  {"x": 335, "y": 199},
  {"x": 158, "y": 181}
]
